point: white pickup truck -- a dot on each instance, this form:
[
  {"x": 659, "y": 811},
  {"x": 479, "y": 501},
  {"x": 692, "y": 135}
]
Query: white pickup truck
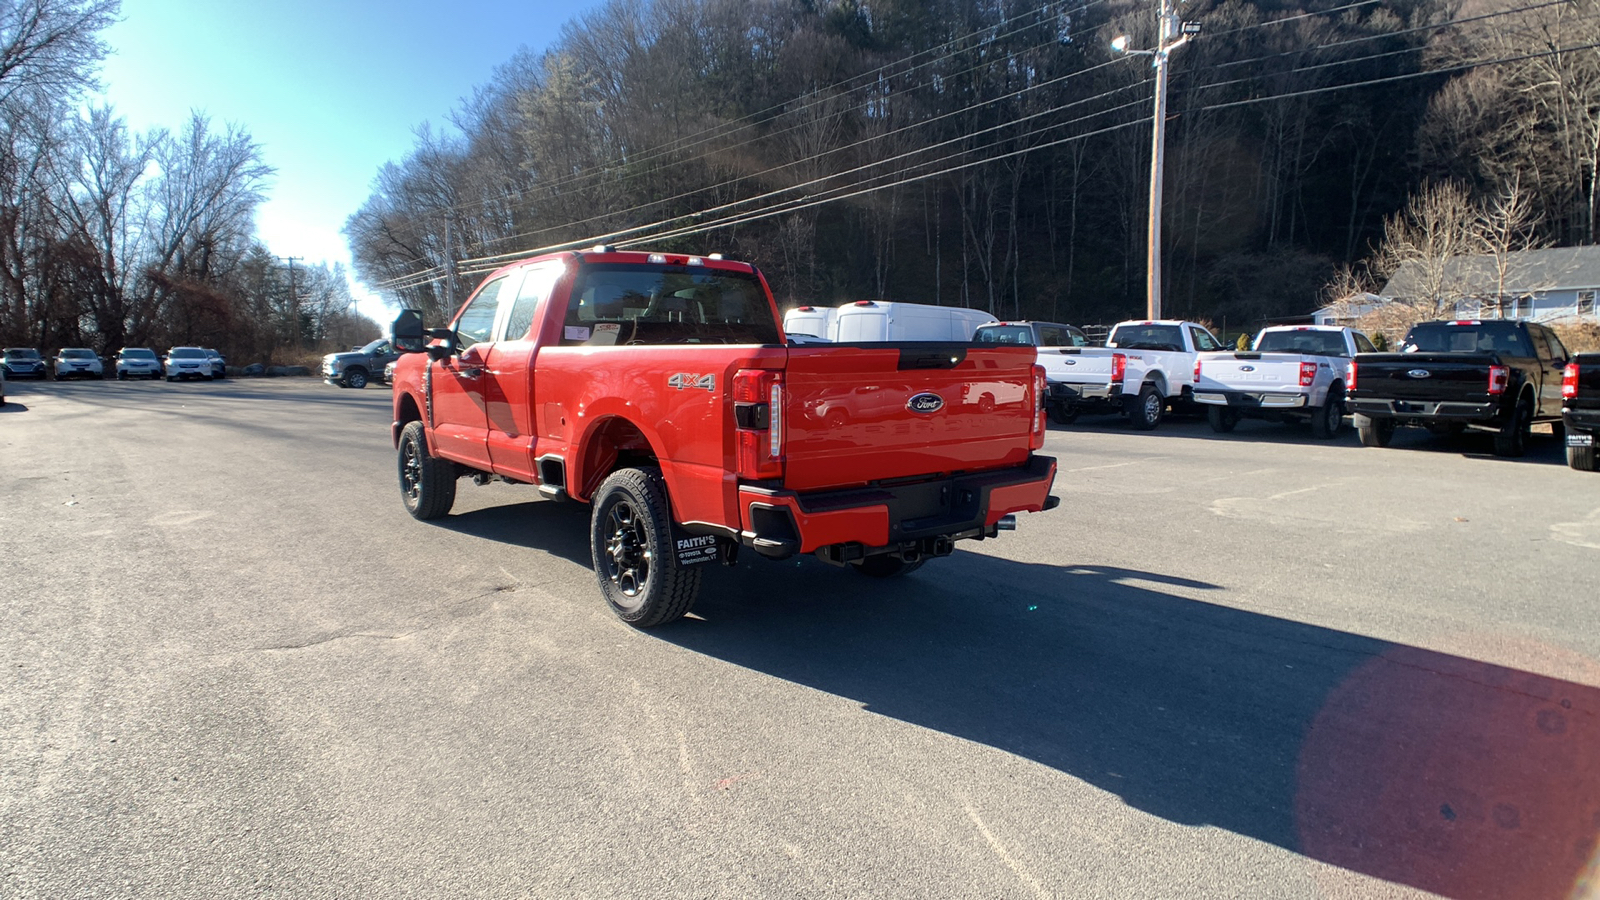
[
  {"x": 1293, "y": 372},
  {"x": 1144, "y": 368}
]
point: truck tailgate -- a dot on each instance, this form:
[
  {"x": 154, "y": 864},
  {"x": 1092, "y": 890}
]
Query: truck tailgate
[
  {"x": 1250, "y": 371},
  {"x": 1424, "y": 376},
  {"x": 851, "y": 419},
  {"x": 1077, "y": 365}
]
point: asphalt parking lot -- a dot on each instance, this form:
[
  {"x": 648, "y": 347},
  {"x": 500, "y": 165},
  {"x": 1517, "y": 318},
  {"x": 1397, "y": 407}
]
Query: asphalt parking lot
[{"x": 1246, "y": 665}]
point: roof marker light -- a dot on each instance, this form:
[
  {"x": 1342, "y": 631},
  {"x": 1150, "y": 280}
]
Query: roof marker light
[
  {"x": 602, "y": 248},
  {"x": 658, "y": 258}
]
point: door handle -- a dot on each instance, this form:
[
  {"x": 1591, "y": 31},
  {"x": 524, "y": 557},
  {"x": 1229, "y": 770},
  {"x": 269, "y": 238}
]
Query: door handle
[{"x": 470, "y": 373}]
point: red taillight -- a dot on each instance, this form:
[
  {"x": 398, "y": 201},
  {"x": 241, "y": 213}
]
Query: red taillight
[
  {"x": 1499, "y": 377},
  {"x": 1308, "y": 374},
  {"x": 758, "y": 420},
  {"x": 1036, "y": 437},
  {"x": 1569, "y": 381},
  {"x": 1119, "y": 367},
  {"x": 1350, "y": 376},
  {"x": 1197, "y": 370}
]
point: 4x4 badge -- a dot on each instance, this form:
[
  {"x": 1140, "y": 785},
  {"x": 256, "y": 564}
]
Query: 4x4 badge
[{"x": 925, "y": 403}]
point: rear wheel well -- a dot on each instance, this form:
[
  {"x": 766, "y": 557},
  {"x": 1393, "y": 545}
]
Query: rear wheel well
[{"x": 615, "y": 444}]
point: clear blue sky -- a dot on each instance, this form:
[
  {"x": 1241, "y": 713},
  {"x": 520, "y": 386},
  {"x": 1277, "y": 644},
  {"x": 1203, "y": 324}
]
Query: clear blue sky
[{"x": 330, "y": 89}]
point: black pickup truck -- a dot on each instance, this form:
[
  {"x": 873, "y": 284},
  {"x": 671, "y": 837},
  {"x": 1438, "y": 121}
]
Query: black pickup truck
[
  {"x": 1580, "y": 408},
  {"x": 1500, "y": 375}
]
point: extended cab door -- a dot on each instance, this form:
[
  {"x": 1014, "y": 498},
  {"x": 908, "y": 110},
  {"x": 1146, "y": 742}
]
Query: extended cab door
[
  {"x": 509, "y": 380},
  {"x": 1552, "y": 357},
  {"x": 460, "y": 417}
]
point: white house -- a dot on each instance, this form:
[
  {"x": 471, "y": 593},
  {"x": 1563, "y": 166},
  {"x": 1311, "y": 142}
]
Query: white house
[{"x": 1553, "y": 285}]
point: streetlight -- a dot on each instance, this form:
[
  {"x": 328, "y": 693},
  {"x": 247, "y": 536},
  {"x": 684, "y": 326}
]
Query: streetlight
[{"x": 1168, "y": 41}]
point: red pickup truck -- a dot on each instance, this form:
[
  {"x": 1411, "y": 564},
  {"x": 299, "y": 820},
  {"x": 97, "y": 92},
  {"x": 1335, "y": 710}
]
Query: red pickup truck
[{"x": 660, "y": 389}]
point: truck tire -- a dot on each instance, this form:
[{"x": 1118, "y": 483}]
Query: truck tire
[
  {"x": 886, "y": 565},
  {"x": 630, "y": 542},
  {"x": 427, "y": 483},
  {"x": 1145, "y": 410},
  {"x": 1512, "y": 440},
  {"x": 1062, "y": 414},
  {"x": 1374, "y": 432},
  {"x": 1581, "y": 458},
  {"x": 1221, "y": 419},
  {"x": 355, "y": 377},
  {"x": 1327, "y": 419}
]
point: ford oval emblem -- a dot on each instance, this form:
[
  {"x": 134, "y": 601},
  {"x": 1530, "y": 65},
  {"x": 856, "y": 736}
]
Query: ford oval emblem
[
  {"x": 1419, "y": 373},
  {"x": 1247, "y": 368},
  {"x": 1070, "y": 362},
  {"x": 925, "y": 403}
]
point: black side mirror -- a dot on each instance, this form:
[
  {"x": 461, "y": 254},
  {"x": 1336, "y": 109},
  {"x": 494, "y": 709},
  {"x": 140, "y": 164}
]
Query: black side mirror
[
  {"x": 448, "y": 342},
  {"x": 407, "y": 331}
]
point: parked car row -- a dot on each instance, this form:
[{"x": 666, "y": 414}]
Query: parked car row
[{"x": 178, "y": 364}]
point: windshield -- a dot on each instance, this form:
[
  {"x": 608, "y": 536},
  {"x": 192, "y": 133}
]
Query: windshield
[
  {"x": 381, "y": 345},
  {"x": 77, "y": 354},
  {"x": 1004, "y": 334},
  {"x": 138, "y": 353},
  {"x": 186, "y": 353},
  {"x": 628, "y": 303},
  {"x": 1146, "y": 337},
  {"x": 1314, "y": 343},
  {"x": 21, "y": 353},
  {"x": 1480, "y": 337}
]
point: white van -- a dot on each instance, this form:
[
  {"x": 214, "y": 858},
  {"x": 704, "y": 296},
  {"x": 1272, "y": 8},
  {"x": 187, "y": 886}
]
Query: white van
[
  {"x": 876, "y": 320},
  {"x": 816, "y": 321}
]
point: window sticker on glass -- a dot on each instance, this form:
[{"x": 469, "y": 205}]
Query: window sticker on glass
[
  {"x": 605, "y": 334},
  {"x": 577, "y": 332}
]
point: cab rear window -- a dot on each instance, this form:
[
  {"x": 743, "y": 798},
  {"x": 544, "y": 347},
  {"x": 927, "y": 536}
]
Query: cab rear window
[
  {"x": 625, "y": 303},
  {"x": 1484, "y": 337}
]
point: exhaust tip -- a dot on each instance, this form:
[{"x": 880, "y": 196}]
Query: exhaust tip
[{"x": 1007, "y": 523}]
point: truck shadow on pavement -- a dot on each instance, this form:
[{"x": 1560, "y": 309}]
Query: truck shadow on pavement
[
  {"x": 1444, "y": 773},
  {"x": 1460, "y": 777}
]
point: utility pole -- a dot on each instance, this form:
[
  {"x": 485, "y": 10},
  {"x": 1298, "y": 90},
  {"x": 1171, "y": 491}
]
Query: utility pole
[
  {"x": 1172, "y": 34},
  {"x": 449, "y": 272},
  {"x": 294, "y": 299}
]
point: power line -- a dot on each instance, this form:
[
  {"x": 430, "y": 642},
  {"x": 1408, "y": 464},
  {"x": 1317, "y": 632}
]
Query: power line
[{"x": 867, "y": 140}]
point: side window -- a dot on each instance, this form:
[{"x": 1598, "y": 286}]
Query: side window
[
  {"x": 1075, "y": 338},
  {"x": 1202, "y": 339},
  {"x": 1540, "y": 347},
  {"x": 1557, "y": 349},
  {"x": 535, "y": 288},
  {"x": 476, "y": 322},
  {"x": 1362, "y": 344}
]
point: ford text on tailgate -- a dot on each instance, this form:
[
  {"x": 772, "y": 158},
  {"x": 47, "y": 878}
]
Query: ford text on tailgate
[{"x": 659, "y": 389}]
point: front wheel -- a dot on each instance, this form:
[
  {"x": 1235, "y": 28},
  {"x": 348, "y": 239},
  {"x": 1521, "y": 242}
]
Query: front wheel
[
  {"x": 1145, "y": 411},
  {"x": 1375, "y": 432},
  {"x": 1512, "y": 440},
  {"x": 630, "y": 542},
  {"x": 355, "y": 378},
  {"x": 427, "y": 483},
  {"x": 1221, "y": 419}
]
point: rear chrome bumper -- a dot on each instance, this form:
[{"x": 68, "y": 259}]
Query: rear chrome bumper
[{"x": 1252, "y": 399}]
